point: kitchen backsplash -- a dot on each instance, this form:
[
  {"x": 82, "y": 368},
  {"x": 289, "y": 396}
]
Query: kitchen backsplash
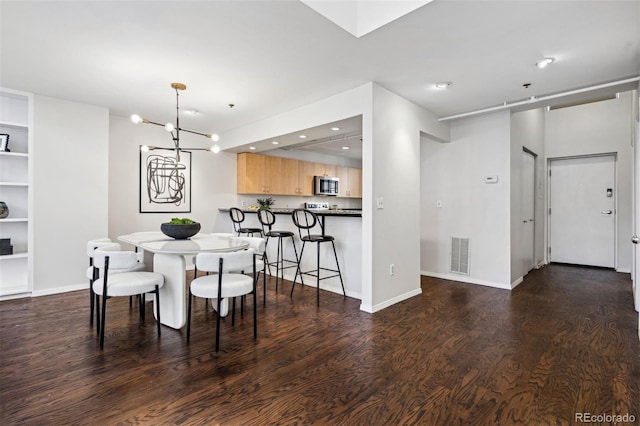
[{"x": 288, "y": 201}]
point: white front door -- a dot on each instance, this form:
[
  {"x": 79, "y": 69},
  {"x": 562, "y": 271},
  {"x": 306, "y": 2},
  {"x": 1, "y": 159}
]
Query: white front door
[
  {"x": 636, "y": 223},
  {"x": 582, "y": 211},
  {"x": 528, "y": 210}
]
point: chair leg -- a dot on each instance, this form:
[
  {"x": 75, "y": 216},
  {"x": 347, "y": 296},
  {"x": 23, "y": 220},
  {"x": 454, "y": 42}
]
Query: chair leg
[
  {"x": 278, "y": 260},
  {"x": 91, "y": 305},
  {"x": 188, "y": 316},
  {"x": 318, "y": 273},
  {"x": 103, "y": 323},
  {"x": 98, "y": 317},
  {"x": 233, "y": 311},
  {"x": 298, "y": 271},
  {"x": 218, "y": 324},
  {"x": 255, "y": 312},
  {"x": 157, "y": 302},
  {"x": 338, "y": 266}
]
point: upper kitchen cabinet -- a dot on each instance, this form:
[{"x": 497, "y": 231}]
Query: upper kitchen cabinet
[
  {"x": 322, "y": 169},
  {"x": 251, "y": 171},
  {"x": 263, "y": 174},
  {"x": 350, "y": 182}
]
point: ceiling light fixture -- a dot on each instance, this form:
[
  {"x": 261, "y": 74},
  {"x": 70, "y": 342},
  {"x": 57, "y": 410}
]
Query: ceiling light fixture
[
  {"x": 542, "y": 63},
  {"x": 345, "y": 147},
  {"x": 443, "y": 85},
  {"x": 302, "y": 136},
  {"x": 335, "y": 129},
  {"x": 275, "y": 142},
  {"x": 252, "y": 148},
  {"x": 175, "y": 129}
]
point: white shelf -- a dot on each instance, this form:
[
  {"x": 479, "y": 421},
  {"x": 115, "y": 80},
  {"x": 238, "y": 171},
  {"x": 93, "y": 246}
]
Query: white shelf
[
  {"x": 14, "y": 256},
  {"x": 14, "y": 154},
  {"x": 14, "y": 125},
  {"x": 14, "y": 184},
  {"x": 14, "y": 220}
]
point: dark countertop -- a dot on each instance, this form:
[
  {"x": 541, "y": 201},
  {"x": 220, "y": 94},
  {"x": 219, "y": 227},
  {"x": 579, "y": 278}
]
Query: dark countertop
[{"x": 338, "y": 212}]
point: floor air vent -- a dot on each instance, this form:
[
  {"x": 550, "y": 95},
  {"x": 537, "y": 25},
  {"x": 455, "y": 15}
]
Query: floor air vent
[{"x": 460, "y": 255}]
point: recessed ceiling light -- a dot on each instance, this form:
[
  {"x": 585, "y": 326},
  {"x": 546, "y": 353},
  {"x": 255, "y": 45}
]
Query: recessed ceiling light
[
  {"x": 275, "y": 142},
  {"x": 335, "y": 129},
  {"x": 252, "y": 148},
  {"x": 542, "y": 63},
  {"x": 345, "y": 147},
  {"x": 443, "y": 85},
  {"x": 302, "y": 136}
]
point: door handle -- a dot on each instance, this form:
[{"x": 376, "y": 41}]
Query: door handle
[
  {"x": 606, "y": 212},
  {"x": 635, "y": 239}
]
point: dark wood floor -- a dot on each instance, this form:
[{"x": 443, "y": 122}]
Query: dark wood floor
[{"x": 563, "y": 342}]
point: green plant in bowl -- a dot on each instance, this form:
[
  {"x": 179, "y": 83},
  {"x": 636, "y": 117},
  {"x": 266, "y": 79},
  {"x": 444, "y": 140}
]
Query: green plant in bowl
[{"x": 180, "y": 228}]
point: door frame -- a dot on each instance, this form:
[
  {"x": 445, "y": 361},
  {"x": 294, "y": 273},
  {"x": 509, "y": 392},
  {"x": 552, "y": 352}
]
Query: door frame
[
  {"x": 535, "y": 205},
  {"x": 615, "y": 204}
]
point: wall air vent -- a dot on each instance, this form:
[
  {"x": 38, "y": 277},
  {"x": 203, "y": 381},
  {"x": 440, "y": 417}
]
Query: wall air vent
[{"x": 460, "y": 255}]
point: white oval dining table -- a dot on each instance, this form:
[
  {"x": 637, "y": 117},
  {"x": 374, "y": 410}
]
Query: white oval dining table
[{"x": 167, "y": 256}]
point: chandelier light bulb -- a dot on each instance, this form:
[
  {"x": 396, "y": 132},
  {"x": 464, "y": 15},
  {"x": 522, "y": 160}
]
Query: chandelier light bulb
[
  {"x": 215, "y": 149},
  {"x": 214, "y": 137},
  {"x": 136, "y": 119},
  {"x": 169, "y": 127},
  {"x": 144, "y": 148},
  {"x": 542, "y": 63}
]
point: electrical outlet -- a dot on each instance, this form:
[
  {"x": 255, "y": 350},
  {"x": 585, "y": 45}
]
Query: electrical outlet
[
  {"x": 244, "y": 204},
  {"x": 439, "y": 204},
  {"x": 392, "y": 269}
]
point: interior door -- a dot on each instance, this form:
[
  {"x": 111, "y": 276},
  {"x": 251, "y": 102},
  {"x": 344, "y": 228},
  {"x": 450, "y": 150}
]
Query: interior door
[
  {"x": 636, "y": 222},
  {"x": 582, "y": 211},
  {"x": 528, "y": 210}
]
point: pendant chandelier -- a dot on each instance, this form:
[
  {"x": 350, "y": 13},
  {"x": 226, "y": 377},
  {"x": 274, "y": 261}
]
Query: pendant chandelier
[{"x": 175, "y": 129}]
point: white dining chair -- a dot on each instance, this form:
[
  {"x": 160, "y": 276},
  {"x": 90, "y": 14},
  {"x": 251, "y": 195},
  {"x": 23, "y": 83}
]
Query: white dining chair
[
  {"x": 227, "y": 282},
  {"x": 110, "y": 258},
  {"x": 93, "y": 273}
]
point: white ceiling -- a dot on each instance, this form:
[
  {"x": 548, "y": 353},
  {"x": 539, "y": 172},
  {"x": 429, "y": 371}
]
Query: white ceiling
[{"x": 268, "y": 57}]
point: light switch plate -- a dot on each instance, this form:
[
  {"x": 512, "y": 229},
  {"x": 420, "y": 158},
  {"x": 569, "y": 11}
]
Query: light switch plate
[
  {"x": 380, "y": 203},
  {"x": 491, "y": 179}
]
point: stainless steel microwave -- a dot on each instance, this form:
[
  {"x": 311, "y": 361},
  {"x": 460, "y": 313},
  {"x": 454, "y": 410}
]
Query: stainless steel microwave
[{"x": 326, "y": 185}]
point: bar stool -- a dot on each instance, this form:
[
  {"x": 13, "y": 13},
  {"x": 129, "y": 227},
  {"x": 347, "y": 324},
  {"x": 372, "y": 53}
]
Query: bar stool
[
  {"x": 267, "y": 219},
  {"x": 237, "y": 217},
  {"x": 305, "y": 220}
]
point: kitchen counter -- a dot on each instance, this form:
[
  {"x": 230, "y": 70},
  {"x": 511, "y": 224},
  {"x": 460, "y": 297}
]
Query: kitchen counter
[
  {"x": 338, "y": 212},
  {"x": 345, "y": 225}
]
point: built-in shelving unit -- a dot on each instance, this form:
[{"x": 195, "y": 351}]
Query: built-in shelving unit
[{"x": 15, "y": 190}]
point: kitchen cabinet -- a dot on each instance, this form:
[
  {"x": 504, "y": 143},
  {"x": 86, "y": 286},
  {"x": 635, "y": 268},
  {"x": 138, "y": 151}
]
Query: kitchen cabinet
[
  {"x": 322, "y": 169},
  {"x": 264, "y": 174},
  {"x": 16, "y": 192},
  {"x": 306, "y": 172},
  {"x": 350, "y": 182}
]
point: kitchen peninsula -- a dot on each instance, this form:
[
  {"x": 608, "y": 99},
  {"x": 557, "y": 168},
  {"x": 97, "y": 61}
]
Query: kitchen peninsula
[{"x": 345, "y": 225}]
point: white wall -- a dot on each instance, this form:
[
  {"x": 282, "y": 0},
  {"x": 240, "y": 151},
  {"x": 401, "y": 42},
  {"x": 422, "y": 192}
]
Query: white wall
[
  {"x": 70, "y": 183},
  {"x": 597, "y": 128},
  {"x": 391, "y": 129},
  {"x": 213, "y": 179},
  {"x": 527, "y": 131},
  {"x": 454, "y": 173}
]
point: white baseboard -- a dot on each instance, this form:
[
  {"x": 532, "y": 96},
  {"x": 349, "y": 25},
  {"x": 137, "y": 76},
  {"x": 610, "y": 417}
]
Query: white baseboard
[
  {"x": 466, "y": 279},
  {"x": 371, "y": 309},
  {"x": 56, "y": 290}
]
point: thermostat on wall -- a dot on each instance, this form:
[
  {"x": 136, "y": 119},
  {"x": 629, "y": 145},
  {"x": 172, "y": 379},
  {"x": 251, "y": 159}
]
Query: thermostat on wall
[{"x": 491, "y": 179}]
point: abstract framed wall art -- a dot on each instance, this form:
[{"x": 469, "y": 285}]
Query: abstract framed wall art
[{"x": 165, "y": 183}]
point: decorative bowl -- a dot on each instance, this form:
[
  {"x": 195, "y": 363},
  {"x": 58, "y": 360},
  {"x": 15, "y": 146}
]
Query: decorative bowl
[{"x": 180, "y": 231}]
